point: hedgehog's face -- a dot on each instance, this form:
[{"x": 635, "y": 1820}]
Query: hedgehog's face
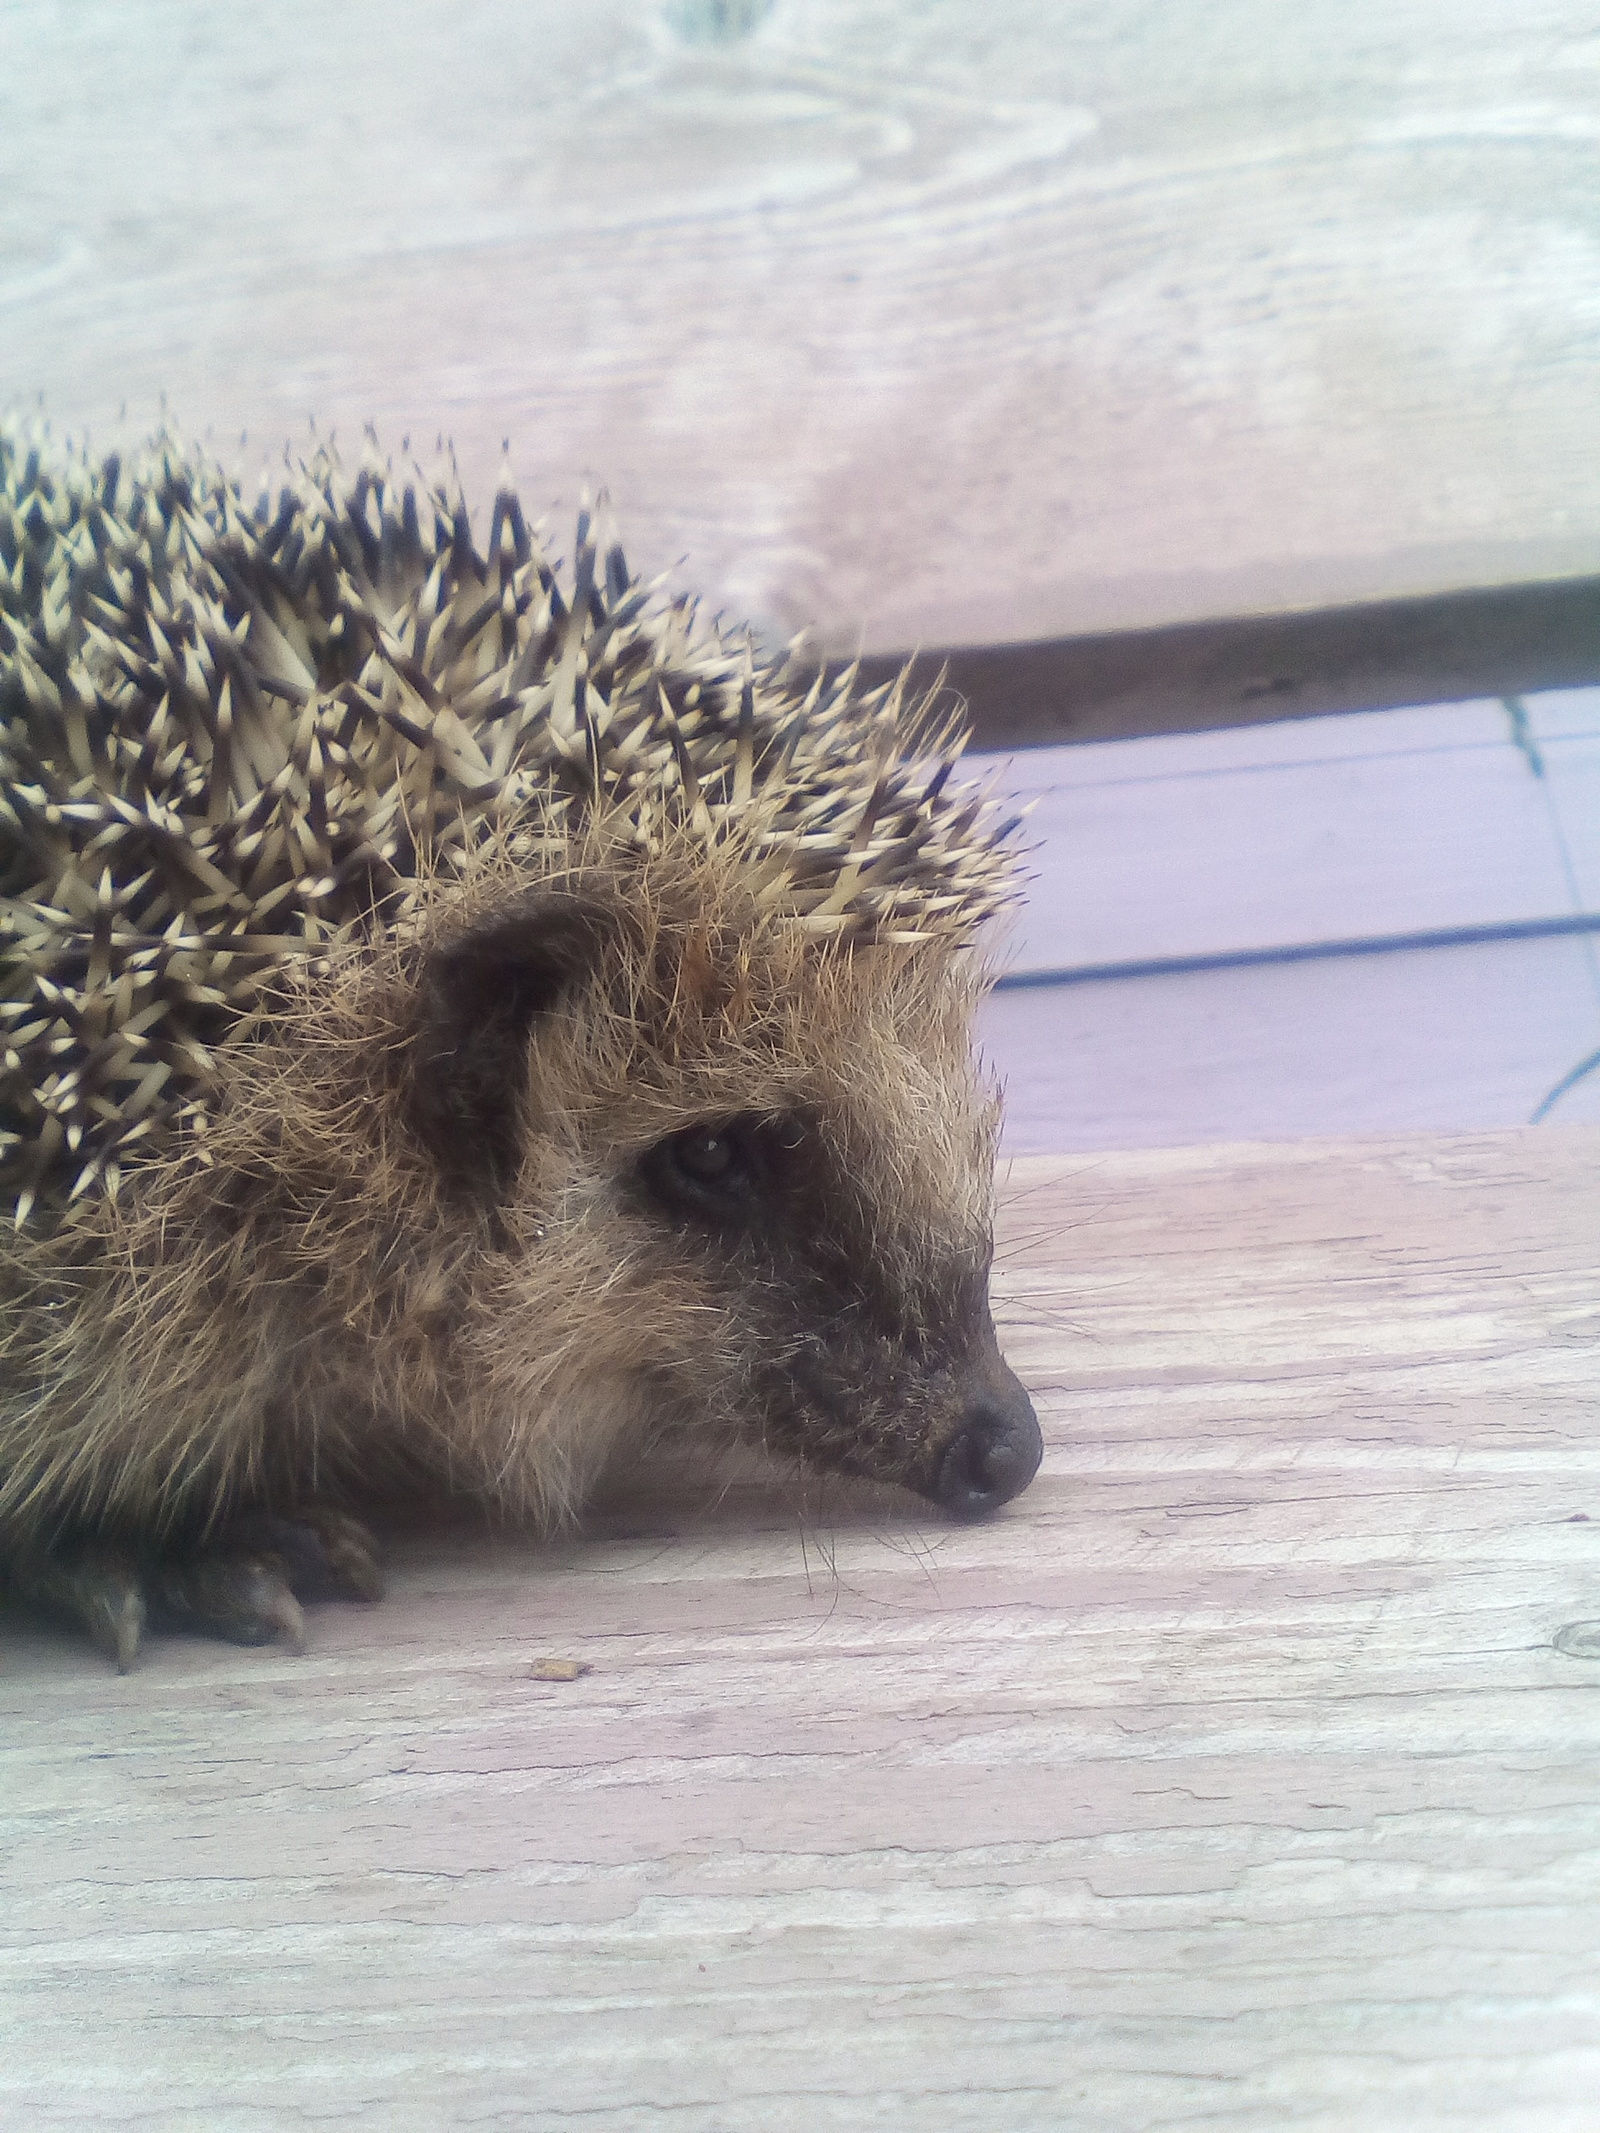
[
  {"x": 763, "y": 1172},
  {"x": 856, "y": 1332}
]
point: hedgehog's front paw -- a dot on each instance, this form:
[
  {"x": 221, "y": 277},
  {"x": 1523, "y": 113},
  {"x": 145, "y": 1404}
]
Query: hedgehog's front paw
[{"x": 245, "y": 1584}]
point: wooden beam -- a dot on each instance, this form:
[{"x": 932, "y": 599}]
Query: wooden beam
[{"x": 1247, "y": 669}]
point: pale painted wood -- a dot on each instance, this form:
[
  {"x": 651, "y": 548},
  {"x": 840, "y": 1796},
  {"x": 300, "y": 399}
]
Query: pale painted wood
[
  {"x": 1438, "y": 1040},
  {"x": 1230, "y": 1778},
  {"x": 1286, "y": 835},
  {"x": 1568, "y": 739},
  {"x": 918, "y": 325},
  {"x": 1565, "y": 714}
]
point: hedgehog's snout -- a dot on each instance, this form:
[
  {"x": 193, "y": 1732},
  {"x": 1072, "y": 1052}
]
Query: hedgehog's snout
[{"x": 995, "y": 1452}]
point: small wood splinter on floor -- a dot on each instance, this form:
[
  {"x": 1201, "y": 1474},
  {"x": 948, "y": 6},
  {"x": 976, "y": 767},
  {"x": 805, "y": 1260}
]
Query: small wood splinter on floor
[{"x": 558, "y": 1669}]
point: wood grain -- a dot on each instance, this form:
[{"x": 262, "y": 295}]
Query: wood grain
[
  {"x": 1232, "y": 1777},
  {"x": 920, "y": 326}
]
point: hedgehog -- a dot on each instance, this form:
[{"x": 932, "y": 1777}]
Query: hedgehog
[{"x": 465, "y": 1022}]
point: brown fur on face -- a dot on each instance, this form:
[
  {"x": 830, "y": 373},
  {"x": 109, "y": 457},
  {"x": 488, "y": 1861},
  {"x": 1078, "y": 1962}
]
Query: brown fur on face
[{"x": 436, "y": 1223}]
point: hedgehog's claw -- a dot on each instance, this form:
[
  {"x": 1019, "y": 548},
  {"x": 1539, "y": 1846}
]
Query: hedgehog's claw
[
  {"x": 350, "y": 1552},
  {"x": 322, "y": 1553},
  {"x": 120, "y": 1627},
  {"x": 228, "y": 1592},
  {"x": 97, "y": 1582}
]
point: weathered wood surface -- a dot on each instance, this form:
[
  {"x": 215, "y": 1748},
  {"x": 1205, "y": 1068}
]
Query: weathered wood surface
[
  {"x": 925, "y": 325},
  {"x": 1232, "y": 1778}
]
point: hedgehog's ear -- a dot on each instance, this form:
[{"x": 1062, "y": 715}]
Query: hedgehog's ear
[{"x": 478, "y": 993}]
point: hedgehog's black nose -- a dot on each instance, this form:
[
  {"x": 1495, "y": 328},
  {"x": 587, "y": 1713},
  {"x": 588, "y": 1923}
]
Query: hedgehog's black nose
[{"x": 994, "y": 1456}]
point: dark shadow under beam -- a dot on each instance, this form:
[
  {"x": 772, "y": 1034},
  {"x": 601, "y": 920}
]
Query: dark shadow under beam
[{"x": 1445, "y": 647}]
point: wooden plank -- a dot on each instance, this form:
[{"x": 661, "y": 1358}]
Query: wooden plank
[
  {"x": 1232, "y": 1775},
  {"x": 1291, "y": 839},
  {"x": 1565, "y": 728},
  {"x": 915, "y": 325},
  {"x": 1422, "y": 1041},
  {"x": 1278, "y": 836},
  {"x": 1565, "y": 714}
]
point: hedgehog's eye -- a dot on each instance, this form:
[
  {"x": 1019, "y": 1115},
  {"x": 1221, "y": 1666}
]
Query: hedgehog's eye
[
  {"x": 708, "y": 1169},
  {"x": 720, "y": 1168},
  {"x": 706, "y": 1155}
]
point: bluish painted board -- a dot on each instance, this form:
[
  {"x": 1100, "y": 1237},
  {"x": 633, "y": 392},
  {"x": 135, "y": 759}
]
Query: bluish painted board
[{"x": 1294, "y": 836}]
